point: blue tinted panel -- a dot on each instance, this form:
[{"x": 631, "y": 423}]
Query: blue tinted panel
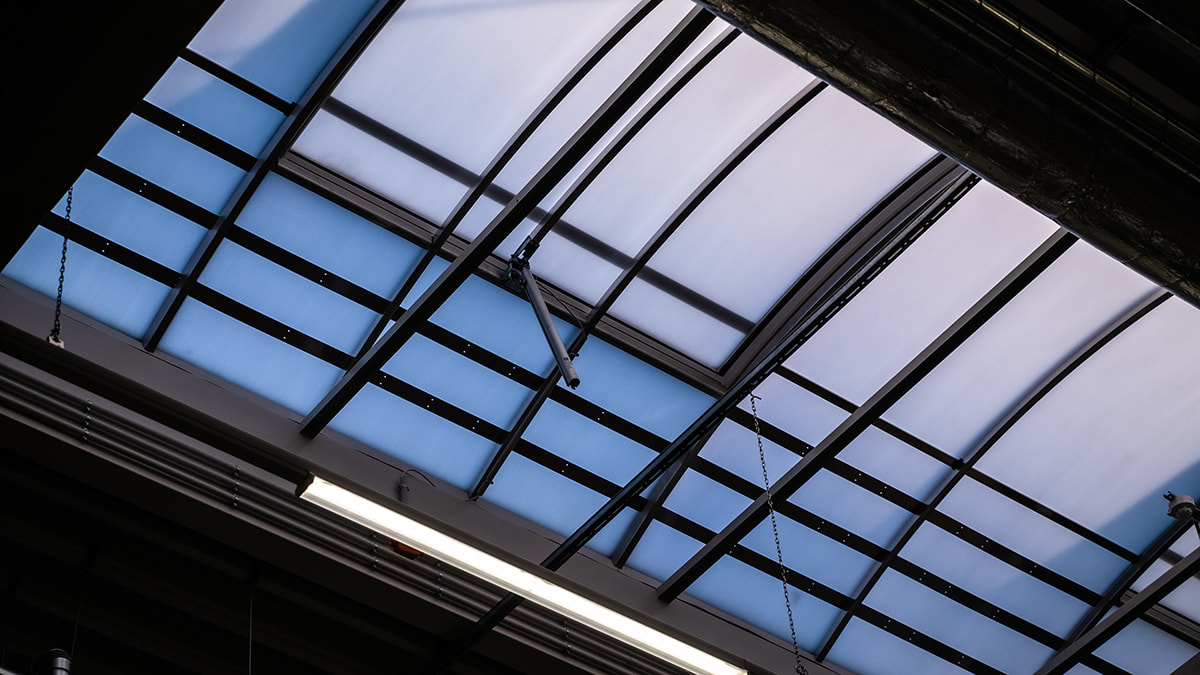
[
  {"x": 279, "y": 46},
  {"x": 735, "y": 448},
  {"x": 166, "y": 160},
  {"x": 137, "y": 224},
  {"x": 997, "y": 582},
  {"x": 868, "y": 650},
  {"x": 415, "y": 436},
  {"x": 549, "y": 499},
  {"x": 287, "y": 297},
  {"x": 844, "y": 503},
  {"x": 221, "y": 109},
  {"x": 244, "y": 356},
  {"x": 903, "y": 467},
  {"x": 943, "y": 619},
  {"x": 1143, "y": 649},
  {"x": 326, "y": 234},
  {"x": 661, "y": 551},
  {"x": 1033, "y": 536},
  {"x": 795, "y": 410},
  {"x": 812, "y": 554},
  {"x": 94, "y": 285},
  {"x": 459, "y": 381},
  {"x": 637, "y": 391},
  {"x": 705, "y": 501},
  {"x": 757, "y": 598},
  {"x": 501, "y": 322},
  {"x": 583, "y": 442}
]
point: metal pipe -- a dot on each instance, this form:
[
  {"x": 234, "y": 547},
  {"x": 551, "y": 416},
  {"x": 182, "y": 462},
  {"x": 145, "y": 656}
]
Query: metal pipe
[
  {"x": 565, "y": 367},
  {"x": 53, "y": 662}
]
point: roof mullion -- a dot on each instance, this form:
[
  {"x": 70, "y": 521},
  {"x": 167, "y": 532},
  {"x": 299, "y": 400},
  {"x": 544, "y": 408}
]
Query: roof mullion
[
  {"x": 1069, "y": 655},
  {"x": 198, "y": 137},
  {"x": 1015, "y": 413},
  {"x": 161, "y": 196},
  {"x": 287, "y": 132},
  {"x": 870, "y": 411},
  {"x": 237, "y": 81}
]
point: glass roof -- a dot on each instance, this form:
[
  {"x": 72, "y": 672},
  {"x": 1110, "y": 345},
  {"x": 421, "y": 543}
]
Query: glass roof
[{"x": 967, "y": 417}]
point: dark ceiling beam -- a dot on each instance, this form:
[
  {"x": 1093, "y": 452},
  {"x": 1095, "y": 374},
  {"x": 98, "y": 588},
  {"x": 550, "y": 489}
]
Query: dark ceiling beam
[
  {"x": 1046, "y": 129},
  {"x": 1067, "y": 657},
  {"x": 509, "y": 219},
  {"x": 871, "y": 410},
  {"x": 280, "y": 142},
  {"x": 72, "y": 73}
]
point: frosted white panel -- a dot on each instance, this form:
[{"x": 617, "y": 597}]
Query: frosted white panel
[
  {"x": 287, "y": 297},
  {"x": 379, "y": 167},
  {"x": 705, "y": 501},
  {"x": 919, "y": 295},
  {"x": 414, "y": 436},
  {"x": 862, "y": 512},
  {"x": 1185, "y": 599},
  {"x": 570, "y": 267},
  {"x": 939, "y": 617},
  {"x": 812, "y": 554},
  {"x": 637, "y": 391},
  {"x": 788, "y": 202},
  {"x": 136, "y": 223},
  {"x": 1142, "y": 649},
  {"x": 461, "y": 76},
  {"x": 661, "y": 551},
  {"x": 1032, "y": 535},
  {"x": 1061, "y": 310},
  {"x": 94, "y": 285},
  {"x": 459, "y": 381},
  {"x": 655, "y": 173},
  {"x": 735, "y": 448},
  {"x": 328, "y": 235},
  {"x": 887, "y": 458},
  {"x": 995, "y": 581},
  {"x": 215, "y": 106},
  {"x": 795, "y": 410},
  {"x": 168, "y": 161},
  {"x": 676, "y": 323},
  {"x": 757, "y": 598},
  {"x": 1123, "y": 426},
  {"x": 868, "y": 650},
  {"x": 246, "y": 357},
  {"x": 280, "y": 45},
  {"x": 587, "y": 444},
  {"x": 543, "y": 496}
]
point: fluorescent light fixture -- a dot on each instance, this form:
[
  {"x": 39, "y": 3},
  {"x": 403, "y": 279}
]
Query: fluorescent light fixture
[{"x": 513, "y": 578}]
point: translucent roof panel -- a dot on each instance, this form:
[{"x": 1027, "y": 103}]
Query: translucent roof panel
[
  {"x": 1120, "y": 426},
  {"x": 870, "y": 650},
  {"x": 1143, "y": 649},
  {"x": 950, "y": 267}
]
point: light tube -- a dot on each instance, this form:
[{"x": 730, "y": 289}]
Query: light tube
[{"x": 512, "y": 578}]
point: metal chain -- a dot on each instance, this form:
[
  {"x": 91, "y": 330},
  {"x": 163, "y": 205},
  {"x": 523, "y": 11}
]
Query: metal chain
[
  {"x": 787, "y": 600},
  {"x": 54, "y": 338}
]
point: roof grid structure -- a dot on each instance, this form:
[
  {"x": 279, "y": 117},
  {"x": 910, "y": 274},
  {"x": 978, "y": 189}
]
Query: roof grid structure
[{"x": 933, "y": 358}]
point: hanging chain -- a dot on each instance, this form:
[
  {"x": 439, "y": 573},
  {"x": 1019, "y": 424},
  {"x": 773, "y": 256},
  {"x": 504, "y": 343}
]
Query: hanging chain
[
  {"x": 787, "y": 600},
  {"x": 54, "y": 338}
]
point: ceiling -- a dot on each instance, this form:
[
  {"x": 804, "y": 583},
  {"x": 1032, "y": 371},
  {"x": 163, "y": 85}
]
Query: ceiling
[{"x": 295, "y": 254}]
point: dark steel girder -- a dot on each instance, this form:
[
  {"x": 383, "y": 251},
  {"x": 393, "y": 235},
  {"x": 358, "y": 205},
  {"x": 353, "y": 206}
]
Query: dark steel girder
[
  {"x": 871, "y": 410},
  {"x": 972, "y": 457},
  {"x": 588, "y": 135},
  {"x": 485, "y": 181},
  {"x": 1058, "y": 136},
  {"x": 1068, "y": 656},
  {"x": 282, "y": 139}
]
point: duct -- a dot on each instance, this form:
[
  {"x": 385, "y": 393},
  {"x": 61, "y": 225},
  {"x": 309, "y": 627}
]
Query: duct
[{"x": 1013, "y": 108}]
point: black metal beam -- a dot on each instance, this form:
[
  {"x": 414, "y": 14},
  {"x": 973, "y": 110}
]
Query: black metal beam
[
  {"x": 237, "y": 81},
  {"x": 1066, "y": 658},
  {"x": 287, "y": 132},
  {"x": 605, "y": 117},
  {"x": 865, "y": 415},
  {"x": 972, "y": 457}
]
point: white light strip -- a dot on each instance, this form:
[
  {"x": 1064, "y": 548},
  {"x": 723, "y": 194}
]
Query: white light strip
[{"x": 513, "y": 578}]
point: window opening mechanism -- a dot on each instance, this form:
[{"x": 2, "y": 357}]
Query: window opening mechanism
[
  {"x": 787, "y": 600},
  {"x": 53, "y": 338},
  {"x": 1183, "y": 507},
  {"x": 519, "y": 276}
]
